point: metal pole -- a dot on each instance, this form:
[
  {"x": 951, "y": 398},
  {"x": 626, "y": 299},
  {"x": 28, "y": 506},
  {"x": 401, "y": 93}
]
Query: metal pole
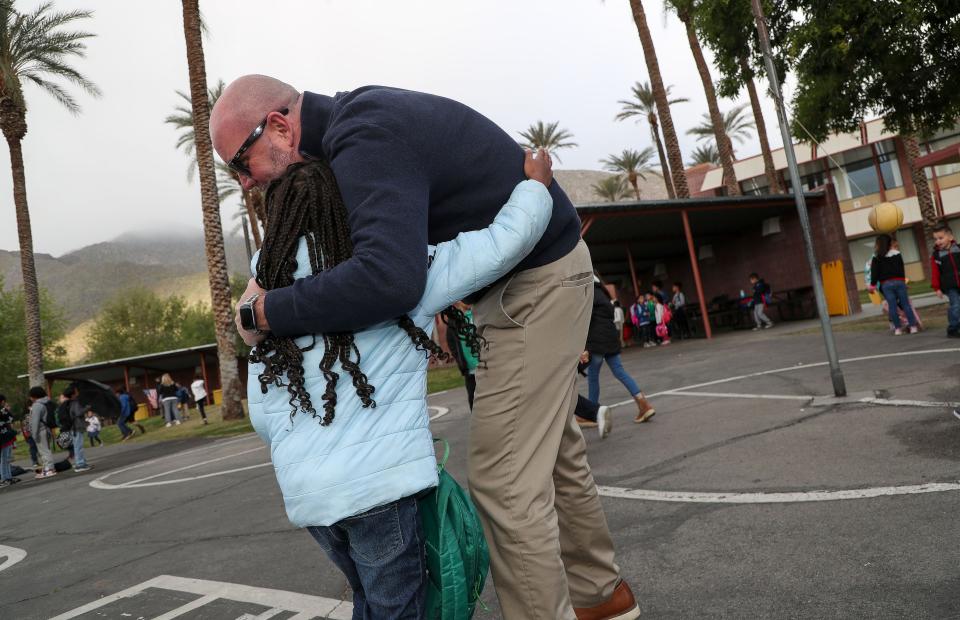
[{"x": 836, "y": 374}]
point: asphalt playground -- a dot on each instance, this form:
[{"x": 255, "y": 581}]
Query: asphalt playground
[{"x": 751, "y": 494}]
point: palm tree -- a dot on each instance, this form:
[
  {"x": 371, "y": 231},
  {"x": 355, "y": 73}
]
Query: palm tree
[
  {"x": 705, "y": 154},
  {"x": 685, "y": 10},
  {"x": 631, "y": 163},
  {"x": 612, "y": 188},
  {"x": 644, "y": 104},
  {"x": 736, "y": 125},
  {"x": 677, "y": 172},
  {"x": 769, "y": 169},
  {"x": 212, "y": 227},
  {"x": 182, "y": 119},
  {"x": 35, "y": 49},
  {"x": 546, "y": 136}
]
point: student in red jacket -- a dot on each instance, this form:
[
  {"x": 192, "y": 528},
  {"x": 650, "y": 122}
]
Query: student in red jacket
[{"x": 945, "y": 275}]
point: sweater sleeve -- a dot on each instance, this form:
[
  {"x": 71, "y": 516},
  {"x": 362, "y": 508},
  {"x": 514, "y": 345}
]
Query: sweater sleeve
[
  {"x": 478, "y": 258},
  {"x": 387, "y": 197},
  {"x": 934, "y": 274},
  {"x": 874, "y": 272}
]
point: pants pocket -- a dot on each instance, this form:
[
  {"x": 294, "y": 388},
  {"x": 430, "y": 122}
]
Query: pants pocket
[{"x": 376, "y": 536}]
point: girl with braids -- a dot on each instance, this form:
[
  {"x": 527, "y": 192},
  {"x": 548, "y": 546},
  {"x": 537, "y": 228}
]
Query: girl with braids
[{"x": 345, "y": 414}]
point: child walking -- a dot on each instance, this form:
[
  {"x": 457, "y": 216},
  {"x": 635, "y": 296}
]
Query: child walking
[
  {"x": 352, "y": 457},
  {"x": 887, "y": 271},
  {"x": 761, "y": 291},
  {"x": 678, "y": 305},
  {"x": 8, "y": 437},
  {"x": 945, "y": 275},
  {"x": 93, "y": 428}
]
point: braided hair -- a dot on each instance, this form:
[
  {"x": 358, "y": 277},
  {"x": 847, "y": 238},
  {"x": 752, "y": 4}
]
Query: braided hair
[{"x": 306, "y": 202}]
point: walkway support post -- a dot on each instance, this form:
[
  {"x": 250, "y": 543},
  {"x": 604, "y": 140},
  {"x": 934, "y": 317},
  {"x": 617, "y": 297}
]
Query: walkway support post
[
  {"x": 707, "y": 329},
  {"x": 836, "y": 374},
  {"x": 633, "y": 273}
]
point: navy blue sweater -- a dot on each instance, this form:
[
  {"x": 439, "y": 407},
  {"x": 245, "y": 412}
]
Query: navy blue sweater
[{"x": 413, "y": 169}]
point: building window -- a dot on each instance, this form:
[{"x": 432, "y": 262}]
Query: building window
[
  {"x": 854, "y": 174},
  {"x": 811, "y": 177},
  {"x": 889, "y": 164},
  {"x": 941, "y": 142},
  {"x": 757, "y": 186}
]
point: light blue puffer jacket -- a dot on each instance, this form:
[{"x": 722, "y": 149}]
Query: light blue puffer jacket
[{"x": 370, "y": 457}]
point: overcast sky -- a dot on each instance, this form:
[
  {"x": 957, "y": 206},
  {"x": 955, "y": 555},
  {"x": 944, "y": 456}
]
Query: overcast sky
[{"x": 114, "y": 168}]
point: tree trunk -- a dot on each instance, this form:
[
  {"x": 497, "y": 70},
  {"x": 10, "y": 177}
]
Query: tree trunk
[
  {"x": 769, "y": 169},
  {"x": 212, "y": 226},
  {"x": 724, "y": 146},
  {"x": 31, "y": 290},
  {"x": 247, "y": 199},
  {"x": 664, "y": 167},
  {"x": 246, "y": 238},
  {"x": 678, "y": 173},
  {"x": 632, "y": 177},
  {"x": 928, "y": 209}
]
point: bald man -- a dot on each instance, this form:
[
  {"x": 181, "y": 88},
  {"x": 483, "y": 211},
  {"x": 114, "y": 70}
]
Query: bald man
[{"x": 417, "y": 169}]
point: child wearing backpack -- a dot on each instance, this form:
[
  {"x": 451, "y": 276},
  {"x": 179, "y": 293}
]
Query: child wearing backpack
[
  {"x": 345, "y": 414},
  {"x": 945, "y": 272},
  {"x": 662, "y": 317},
  {"x": 761, "y": 294}
]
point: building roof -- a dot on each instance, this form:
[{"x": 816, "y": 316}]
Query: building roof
[
  {"x": 577, "y": 184},
  {"x": 112, "y": 370},
  {"x": 653, "y": 230}
]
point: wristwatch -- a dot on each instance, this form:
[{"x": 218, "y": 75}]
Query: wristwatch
[{"x": 248, "y": 318}]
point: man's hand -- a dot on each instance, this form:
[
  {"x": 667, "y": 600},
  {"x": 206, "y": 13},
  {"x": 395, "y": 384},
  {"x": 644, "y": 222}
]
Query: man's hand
[
  {"x": 940, "y": 294},
  {"x": 252, "y": 338},
  {"x": 585, "y": 357},
  {"x": 539, "y": 169}
]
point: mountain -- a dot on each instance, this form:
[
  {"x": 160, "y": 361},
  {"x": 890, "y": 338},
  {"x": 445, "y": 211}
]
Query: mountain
[
  {"x": 578, "y": 185},
  {"x": 82, "y": 281}
]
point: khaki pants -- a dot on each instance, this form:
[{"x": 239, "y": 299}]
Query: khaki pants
[{"x": 529, "y": 477}]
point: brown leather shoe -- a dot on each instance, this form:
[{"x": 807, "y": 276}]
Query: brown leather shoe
[
  {"x": 645, "y": 410},
  {"x": 621, "y": 606},
  {"x": 585, "y": 423}
]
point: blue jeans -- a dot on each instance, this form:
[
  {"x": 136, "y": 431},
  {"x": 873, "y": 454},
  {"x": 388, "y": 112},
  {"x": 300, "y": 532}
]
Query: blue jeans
[
  {"x": 122, "y": 424},
  {"x": 593, "y": 375},
  {"x": 33, "y": 450},
  {"x": 382, "y": 554},
  {"x": 79, "y": 460},
  {"x": 953, "y": 312},
  {"x": 895, "y": 292},
  {"x": 6, "y": 458}
]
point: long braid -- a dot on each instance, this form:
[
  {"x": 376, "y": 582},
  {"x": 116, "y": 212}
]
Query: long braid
[{"x": 305, "y": 202}]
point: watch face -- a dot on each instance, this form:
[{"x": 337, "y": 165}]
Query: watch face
[{"x": 247, "y": 319}]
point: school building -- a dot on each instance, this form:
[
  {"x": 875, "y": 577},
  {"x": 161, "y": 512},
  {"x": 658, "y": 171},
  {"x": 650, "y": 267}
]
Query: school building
[{"x": 865, "y": 168}]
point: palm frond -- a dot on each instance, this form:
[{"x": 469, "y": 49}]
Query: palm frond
[
  {"x": 547, "y": 136},
  {"x": 612, "y": 188},
  {"x": 705, "y": 154},
  {"x": 736, "y": 124}
]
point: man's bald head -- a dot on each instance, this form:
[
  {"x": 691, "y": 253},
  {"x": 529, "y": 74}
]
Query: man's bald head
[{"x": 242, "y": 106}]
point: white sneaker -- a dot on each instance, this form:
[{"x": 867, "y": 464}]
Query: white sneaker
[
  {"x": 768, "y": 326},
  {"x": 914, "y": 330},
  {"x": 177, "y": 422},
  {"x": 756, "y": 329},
  {"x": 604, "y": 421},
  {"x": 168, "y": 424},
  {"x": 898, "y": 332}
]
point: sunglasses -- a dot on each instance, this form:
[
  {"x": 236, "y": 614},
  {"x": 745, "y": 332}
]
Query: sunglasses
[{"x": 235, "y": 164}]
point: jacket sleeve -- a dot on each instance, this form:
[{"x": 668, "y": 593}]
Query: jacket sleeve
[
  {"x": 874, "y": 274},
  {"x": 934, "y": 274},
  {"x": 478, "y": 258},
  {"x": 387, "y": 197}
]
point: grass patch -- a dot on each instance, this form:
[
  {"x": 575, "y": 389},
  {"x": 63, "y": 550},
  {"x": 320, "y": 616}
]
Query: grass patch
[
  {"x": 446, "y": 378},
  {"x": 438, "y": 380},
  {"x": 936, "y": 320},
  {"x": 157, "y": 431},
  {"x": 914, "y": 288}
]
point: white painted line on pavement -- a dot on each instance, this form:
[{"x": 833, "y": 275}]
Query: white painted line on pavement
[
  {"x": 735, "y": 395},
  {"x": 304, "y": 605},
  {"x": 697, "y": 497},
  {"x": 13, "y": 555},
  {"x": 788, "y": 369},
  {"x": 440, "y": 412}
]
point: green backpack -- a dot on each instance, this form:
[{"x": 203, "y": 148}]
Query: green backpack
[{"x": 457, "y": 555}]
